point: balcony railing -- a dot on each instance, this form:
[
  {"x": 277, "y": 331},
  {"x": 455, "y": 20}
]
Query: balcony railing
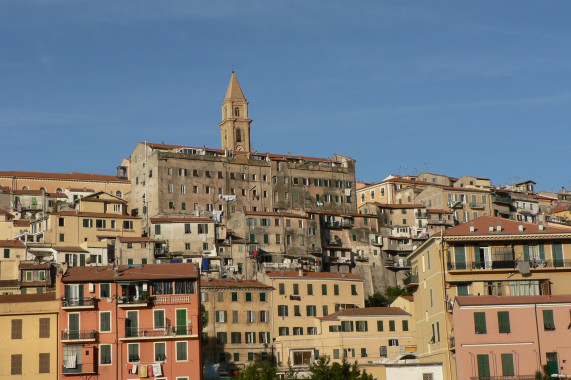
[
  {"x": 77, "y": 302},
  {"x": 509, "y": 264},
  {"x": 518, "y": 377},
  {"x": 149, "y": 332},
  {"x": 476, "y": 205},
  {"x": 134, "y": 300},
  {"x": 498, "y": 199},
  {"x": 390, "y": 263},
  {"x": 413, "y": 279},
  {"x": 78, "y": 335}
]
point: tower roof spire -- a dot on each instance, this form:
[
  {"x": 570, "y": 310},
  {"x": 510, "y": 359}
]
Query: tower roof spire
[{"x": 234, "y": 91}]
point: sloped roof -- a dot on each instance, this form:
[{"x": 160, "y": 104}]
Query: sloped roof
[
  {"x": 511, "y": 300},
  {"x": 508, "y": 227},
  {"x": 234, "y": 91},
  {"x": 38, "y": 297},
  {"x": 63, "y": 176},
  {"x": 232, "y": 284},
  {"x": 367, "y": 311},
  {"x": 316, "y": 275},
  {"x": 127, "y": 273},
  {"x": 12, "y": 244}
]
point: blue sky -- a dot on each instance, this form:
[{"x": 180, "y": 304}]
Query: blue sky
[{"x": 459, "y": 88}]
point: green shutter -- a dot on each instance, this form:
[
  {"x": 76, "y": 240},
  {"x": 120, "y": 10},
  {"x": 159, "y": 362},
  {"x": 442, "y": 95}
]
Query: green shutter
[
  {"x": 557, "y": 255},
  {"x": 480, "y": 323},
  {"x": 379, "y": 325},
  {"x": 548, "y": 322},
  {"x": 404, "y": 325},
  {"x": 391, "y": 325},
  {"x": 542, "y": 251},
  {"x": 234, "y": 296},
  {"x": 477, "y": 258},
  {"x": 526, "y": 252},
  {"x": 507, "y": 365},
  {"x": 460, "y": 257},
  {"x": 504, "y": 321},
  {"x": 483, "y": 366}
]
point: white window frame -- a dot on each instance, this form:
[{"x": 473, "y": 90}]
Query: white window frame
[
  {"x": 164, "y": 319},
  {"x": 155, "y": 352},
  {"x": 138, "y": 349},
  {"x": 176, "y": 350},
  {"x": 111, "y": 354},
  {"x": 110, "y": 321}
]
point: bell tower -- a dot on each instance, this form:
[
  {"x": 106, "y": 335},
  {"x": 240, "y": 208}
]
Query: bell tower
[{"x": 235, "y": 125}]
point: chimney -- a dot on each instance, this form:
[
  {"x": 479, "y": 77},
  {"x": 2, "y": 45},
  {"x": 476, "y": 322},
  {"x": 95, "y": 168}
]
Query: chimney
[
  {"x": 540, "y": 226},
  {"x": 471, "y": 226},
  {"x": 491, "y": 227},
  {"x": 499, "y": 227},
  {"x": 520, "y": 226}
]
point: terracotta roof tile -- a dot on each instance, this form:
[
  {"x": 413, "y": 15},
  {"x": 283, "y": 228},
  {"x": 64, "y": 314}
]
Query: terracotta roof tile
[
  {"x": 22, "y": 223},
  {"x": 142, "y": 239},
  {"x": 16, "y": 298},
  {"x": 508, "y": 227},
  {"x": 367, "y": 311},
  {"x": 12, "y": 244},
  {"x": 180, "y": 220},
  {"x": 71, "y": 249},
  {"x": 232, "y": 284},
  {"x": 64, "y": 176},
  {"x": 126, "y": 273},
  {"x": 35, "y": 266},
  {"x": 324, "y": 275},
  {"x": 438, "y": 211},
  {"x": 397, "y": 205}
]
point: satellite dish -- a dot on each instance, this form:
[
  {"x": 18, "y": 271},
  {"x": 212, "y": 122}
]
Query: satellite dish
[{"x": 88, "y": 260}]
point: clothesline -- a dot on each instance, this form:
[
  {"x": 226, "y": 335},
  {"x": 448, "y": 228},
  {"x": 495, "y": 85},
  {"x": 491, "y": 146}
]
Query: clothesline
[{"x": 145, "y": 370}]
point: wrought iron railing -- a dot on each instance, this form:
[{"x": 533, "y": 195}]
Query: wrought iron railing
[
  {"x": 77, "y": 302},
  {"x": 78, "y": 334},
  {"x": 149, "y": 332}
]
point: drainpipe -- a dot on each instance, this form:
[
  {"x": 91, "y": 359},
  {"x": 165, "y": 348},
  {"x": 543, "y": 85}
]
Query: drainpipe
[{"x": 537, "y": 331}]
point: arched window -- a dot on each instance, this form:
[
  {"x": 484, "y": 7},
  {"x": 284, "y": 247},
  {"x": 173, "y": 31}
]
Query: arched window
[
  {"x": 42, "y": 188},
  {"x": 25, "y": 188},
  {"x": 236, "y": 111},
  {"x": 238, "y": 135},
  {"x": 59, "y": 190},
  {"x": 119, "y": 194}
]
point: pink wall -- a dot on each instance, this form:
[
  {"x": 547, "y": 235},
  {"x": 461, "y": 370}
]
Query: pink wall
[{"x": 521, "y": 342}]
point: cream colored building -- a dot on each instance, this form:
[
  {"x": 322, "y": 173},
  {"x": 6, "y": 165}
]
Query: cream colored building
[
  {"x": 239, "y": 322},
  {"x": 466, "y": 203},
  {"x": 489, "y": 256},
  {"x": 28, "y": 336}
]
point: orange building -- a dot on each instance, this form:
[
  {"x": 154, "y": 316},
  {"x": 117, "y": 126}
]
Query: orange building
[{"x": 129, "y": 322}]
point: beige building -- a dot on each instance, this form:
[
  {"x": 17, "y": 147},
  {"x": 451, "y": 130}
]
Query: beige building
[
  {"x": 28, "y": 336},
  {"x": 239, "y": 322},
  {"x": 489, "y": 256},
  {"x": 466, "y": 203},
  {"x": 299, "y": 295}
]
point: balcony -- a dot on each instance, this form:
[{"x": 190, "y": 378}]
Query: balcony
[
  {"x": 499, "y": 199},
  {"x": 87, "y": 368},
  {"x": 397, "y": 264},
  {"x": 548, "y": 263},
  {"x": 133, "y": 301},
  {"x": 161, "y": 252},
  {"x": 476, "y": 206},
  {"x": 378, "y": 242},
  {"x": 455, "y": 204},
  {"x": 518, "y": 377},
  {"x": 149, "y": 333},
  {"x": 78, "y": 303},
  {"x": 332, "y": 224},
  {"x": 74, "y": 336},
  {"x": 413, "y": 280},
  {"x": 509, "y": 264},
  {"x": 362, "y": 258}
]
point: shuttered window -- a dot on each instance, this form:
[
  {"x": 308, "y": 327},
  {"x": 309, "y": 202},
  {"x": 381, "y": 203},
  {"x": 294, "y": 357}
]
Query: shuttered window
[
  {"x": 44, "y": 363},
  {"x": 16, "y": 329},
  {"x": 548, "y": 322},
  {"x": 379, "y": 325},
  {"x": 507, "y": 365},
  {"x": 483, "y": 366},
  {"x": 480, "y": 323},
  {"x": 504, "y": 321},
  {"x": 44, "y": 327},
  {"x": 16, "y": 364}
]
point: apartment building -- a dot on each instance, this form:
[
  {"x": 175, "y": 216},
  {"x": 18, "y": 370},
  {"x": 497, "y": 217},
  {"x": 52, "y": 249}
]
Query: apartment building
[
  {"x": 511, "y": 337},
  {"x": 489, "y": 256},
  {"x": 390, "y": 191},
  {"x": 29, "y": 336},
  {"x": 123, "y": 322},
  {"x": 10, "y": 227},
  {"x": 466, "y": 203},
  {"x": 239, "y": 322},
  {"x": 298, "y": 295},
  {"x": 138, "y": 250}
]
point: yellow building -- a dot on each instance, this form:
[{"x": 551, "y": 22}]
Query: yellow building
[
  {"x": 489, "y": 256},
  {"x": 28, "y": 336}
]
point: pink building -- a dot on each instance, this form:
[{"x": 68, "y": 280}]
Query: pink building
[
  {"x": 513, "y": 337},
  {"x": 138, "y": 321}
]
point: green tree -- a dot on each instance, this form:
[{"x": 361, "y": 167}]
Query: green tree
[
  {"x": 262, "y": 371},
  {"x": 392, "y": 292},
  {"x": 321, "y": 370},
  {"x": 375, "y": 300},
  {"x": 203, "y": 316}
]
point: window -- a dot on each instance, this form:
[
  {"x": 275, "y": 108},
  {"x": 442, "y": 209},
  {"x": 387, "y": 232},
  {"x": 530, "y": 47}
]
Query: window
[
  {"x": 234, "y": 316},
  {"x": 380, "y": 326},
  {"x": 250, "y": 316},
  {"x": 263, "y": 296},
  {"x": 6, "y": 253},
  {"x": 480, "y": 323},
  {"x": 202, "y": 228},
  {"x": 132, "y": 352},
  {"x": 16, "y": 364},
  {"x": 160, "y": 351},
  {"x": 548, "y": 322},
  {"x": 335, "y": 353},
  {"x": 336, "y": 289},
  {"x": 361, "y": 326},
  {"x": 296, "y": 289},
  {"x": 324, "y": 289},
  {"x": 363, "y": 352},
  {"x": 61, "y": 222},
  {"x": 105, "y": 354},
  {"x": 250, "y": 337},
  {"x": 236, "y": 356},
  {"x": 282, "y": 288},
  {"x": 105, "y": 290},
  {"x": 16, "y": 329},
  {"x": 353, "y": 290},
  {"x": 504, "y": 321},
  {"x": 44, "y": 363},
  {"x": 181, "y": 351},
  {"x": 483, "y": 366},
  {"x": 105, "y": 321},
  {"x": 61, "y": 237},
  {"x": 404, "y": 325},
  {"x": 187, "y": 228},
  {"x": 325, "y": 310},
  {"x": 393, "y": 342},
  {"x": 507, "y": 365},
  {"x": 128, "y": 225},
  {"x": 312, "y": 331},
  {"x": 311, "y": 310},
  {"x": 284, "y": 331},
  {"x": 236, "y": 337},
  {"x": 383, "y": 351},
  {"x": 282, "y": 310},
  {"x": 220, "y": 297},
  {"x": 234, "y": 296},
  {"x": 157, "y": 229},
  {"x": 221, "y": 338},
  {"x": 159, "y": 319},
  {"x": 221, "y": 316},
  {"x": 392, "y": 325},
  {"x": 44, "y": 328},
  {"x": 296, "y": 311},
  {"x": 171, "y": 188}
]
